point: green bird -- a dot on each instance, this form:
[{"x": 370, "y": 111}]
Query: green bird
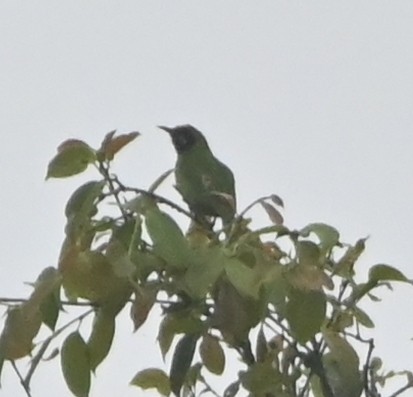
[{"x": 205, "y": 184}]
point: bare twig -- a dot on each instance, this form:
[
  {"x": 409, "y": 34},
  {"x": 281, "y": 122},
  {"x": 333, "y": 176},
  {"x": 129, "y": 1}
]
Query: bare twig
[
  {"x": 65, "y": 303},
  {"x": 22, "y": 382},
  {"x": 104, "y": 170}
]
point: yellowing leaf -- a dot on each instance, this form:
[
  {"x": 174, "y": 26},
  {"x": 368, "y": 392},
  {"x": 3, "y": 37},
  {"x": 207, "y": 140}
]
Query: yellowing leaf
[
  {"x": 73, "y": 157},
  {"x": 212, "y": 354},
  {"x": 75, "y": 364},
  {"x": 21, "y": 326},
  {"x": 152, "y": 378},
  {"x": 141, "y": 306},
  {"x": 111, "y": 145}
]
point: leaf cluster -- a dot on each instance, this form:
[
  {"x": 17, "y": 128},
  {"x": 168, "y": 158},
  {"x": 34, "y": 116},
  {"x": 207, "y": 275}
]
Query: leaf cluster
[{"x": 286, "y": 302}]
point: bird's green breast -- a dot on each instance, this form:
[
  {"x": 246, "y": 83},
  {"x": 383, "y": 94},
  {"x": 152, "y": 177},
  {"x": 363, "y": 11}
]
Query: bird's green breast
[{"x": 199, "y": 177}]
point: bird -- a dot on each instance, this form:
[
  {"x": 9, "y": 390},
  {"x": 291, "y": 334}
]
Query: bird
[{"x": 205, "y": 183}]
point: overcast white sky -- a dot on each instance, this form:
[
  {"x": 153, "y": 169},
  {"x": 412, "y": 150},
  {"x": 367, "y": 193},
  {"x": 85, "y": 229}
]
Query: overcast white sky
[{"x": 312, "y": 100}]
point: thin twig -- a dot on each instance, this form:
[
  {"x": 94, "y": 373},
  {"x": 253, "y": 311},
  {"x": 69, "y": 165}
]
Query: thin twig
[
  {"x": 37, "y": 358},
  {"x": 65, "y": 303},
  {"x": 22, "y": 382},
  {"x": 402, "y": 389},
  {"x": 104, "y": 170}
]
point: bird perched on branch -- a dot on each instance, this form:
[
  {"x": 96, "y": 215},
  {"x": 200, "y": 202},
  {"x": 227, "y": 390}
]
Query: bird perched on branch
[{"x": 205, "y": 184}]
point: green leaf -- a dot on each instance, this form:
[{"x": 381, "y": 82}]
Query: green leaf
[
  {"x": 206, "y": 265},
  {"x": 101, "y": 338},
  {"x": 76, "y": 365},
  {"x": 262, "y": 379},
  {"x": 168, "y": 240},
  {"x": 175, "y": 323},
  {"x": 50, "y": 308},
  {"x": 341, "y": 365},
  {"x": 73, "y": 157},
  {"x": 160, "y": 180},
  {"x": 243, "y": 278},
  {"x": 386, "y": 273},
  {"x": 21, "y": 326},
  {"x": 327, "y": 235},
  {"x": 181, "y": 361},
  {"x": 212, "y": 354},
  {"x": 305, "y": 312},
  {"x": 152, "y": 378},
  {"x": 82, "y": 202},
  {"x": 362, "y": 317},
  {"x": 261, "y": 346}
]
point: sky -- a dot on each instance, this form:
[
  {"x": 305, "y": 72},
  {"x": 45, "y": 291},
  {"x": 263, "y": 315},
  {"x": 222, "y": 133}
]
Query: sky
[{"x": 311, "y": 100}]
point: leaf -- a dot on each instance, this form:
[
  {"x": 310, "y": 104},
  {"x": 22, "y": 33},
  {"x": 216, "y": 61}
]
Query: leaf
[
  {"x": 262, "y": 379},
  {"x": 46, "y": 295},
  {"x": 75, "y": 364},
  {"x": 305, "y": 313},
  {"x": 386, "y": 273},
  {"x": 232, "y": 389},
  {"x": 101, "y": 338},
  {"x": 341, "y": 365},
  {"x": 168, "y": 239},
  {"x": 21, "y": 326},
  {"x": 176, "y": 323},
  {"x": 82, "y": 202},
  {"x": 328, "y": 235},
  {"x": 273, "y": 213},
  {"x": 111, "y": 145},
  {"x": 362, "y": 317},
  {"x": 277, "y": 200},
  {"x": 308, "y": 277},
  {"x": 50, "y": 308},
  {"x": 73, "y": 157},
  {"x": 345, "y": 265},
  {"x": 141, "y": 306},
  {"x": 158, "y": 181},
  {"x": 152, "y": 378},
  {"x": 243, "y": 278},
  {"x": 212, "y": 354},
  {"x": 181, "y": 361},
  {"x": 206, "y": 265},
  {"x": 261, "y": 346},
  {"x": 235, "y": 315}
]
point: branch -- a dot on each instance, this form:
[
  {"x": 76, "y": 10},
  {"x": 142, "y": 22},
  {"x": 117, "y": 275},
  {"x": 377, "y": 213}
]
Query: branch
[
  {"x": 402, "y": 389},
  {"x": 37, "y": 358},
  {"x": 104, "y": 170},
  {"x": 65, "y": 303},
  {"x": 22, "y": 382}
]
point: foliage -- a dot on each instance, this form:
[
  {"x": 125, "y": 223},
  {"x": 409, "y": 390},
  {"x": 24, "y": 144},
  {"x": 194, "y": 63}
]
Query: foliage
[{"x": 286, "y": 302}]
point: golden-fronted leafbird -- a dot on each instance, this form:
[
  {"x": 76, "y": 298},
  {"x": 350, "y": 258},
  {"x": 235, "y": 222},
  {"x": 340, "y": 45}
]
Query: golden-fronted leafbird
[{"x": 205, "y": 184}]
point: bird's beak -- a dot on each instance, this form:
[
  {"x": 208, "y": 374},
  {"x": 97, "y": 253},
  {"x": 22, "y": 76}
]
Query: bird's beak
[{"x": 167, "y": 129}]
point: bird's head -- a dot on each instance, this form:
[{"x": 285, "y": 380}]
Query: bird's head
[{"x": 185, "y": 137}]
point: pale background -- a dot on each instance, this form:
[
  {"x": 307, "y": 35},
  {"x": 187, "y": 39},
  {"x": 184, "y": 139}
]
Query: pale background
[{"x": 312, "y": 100}]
